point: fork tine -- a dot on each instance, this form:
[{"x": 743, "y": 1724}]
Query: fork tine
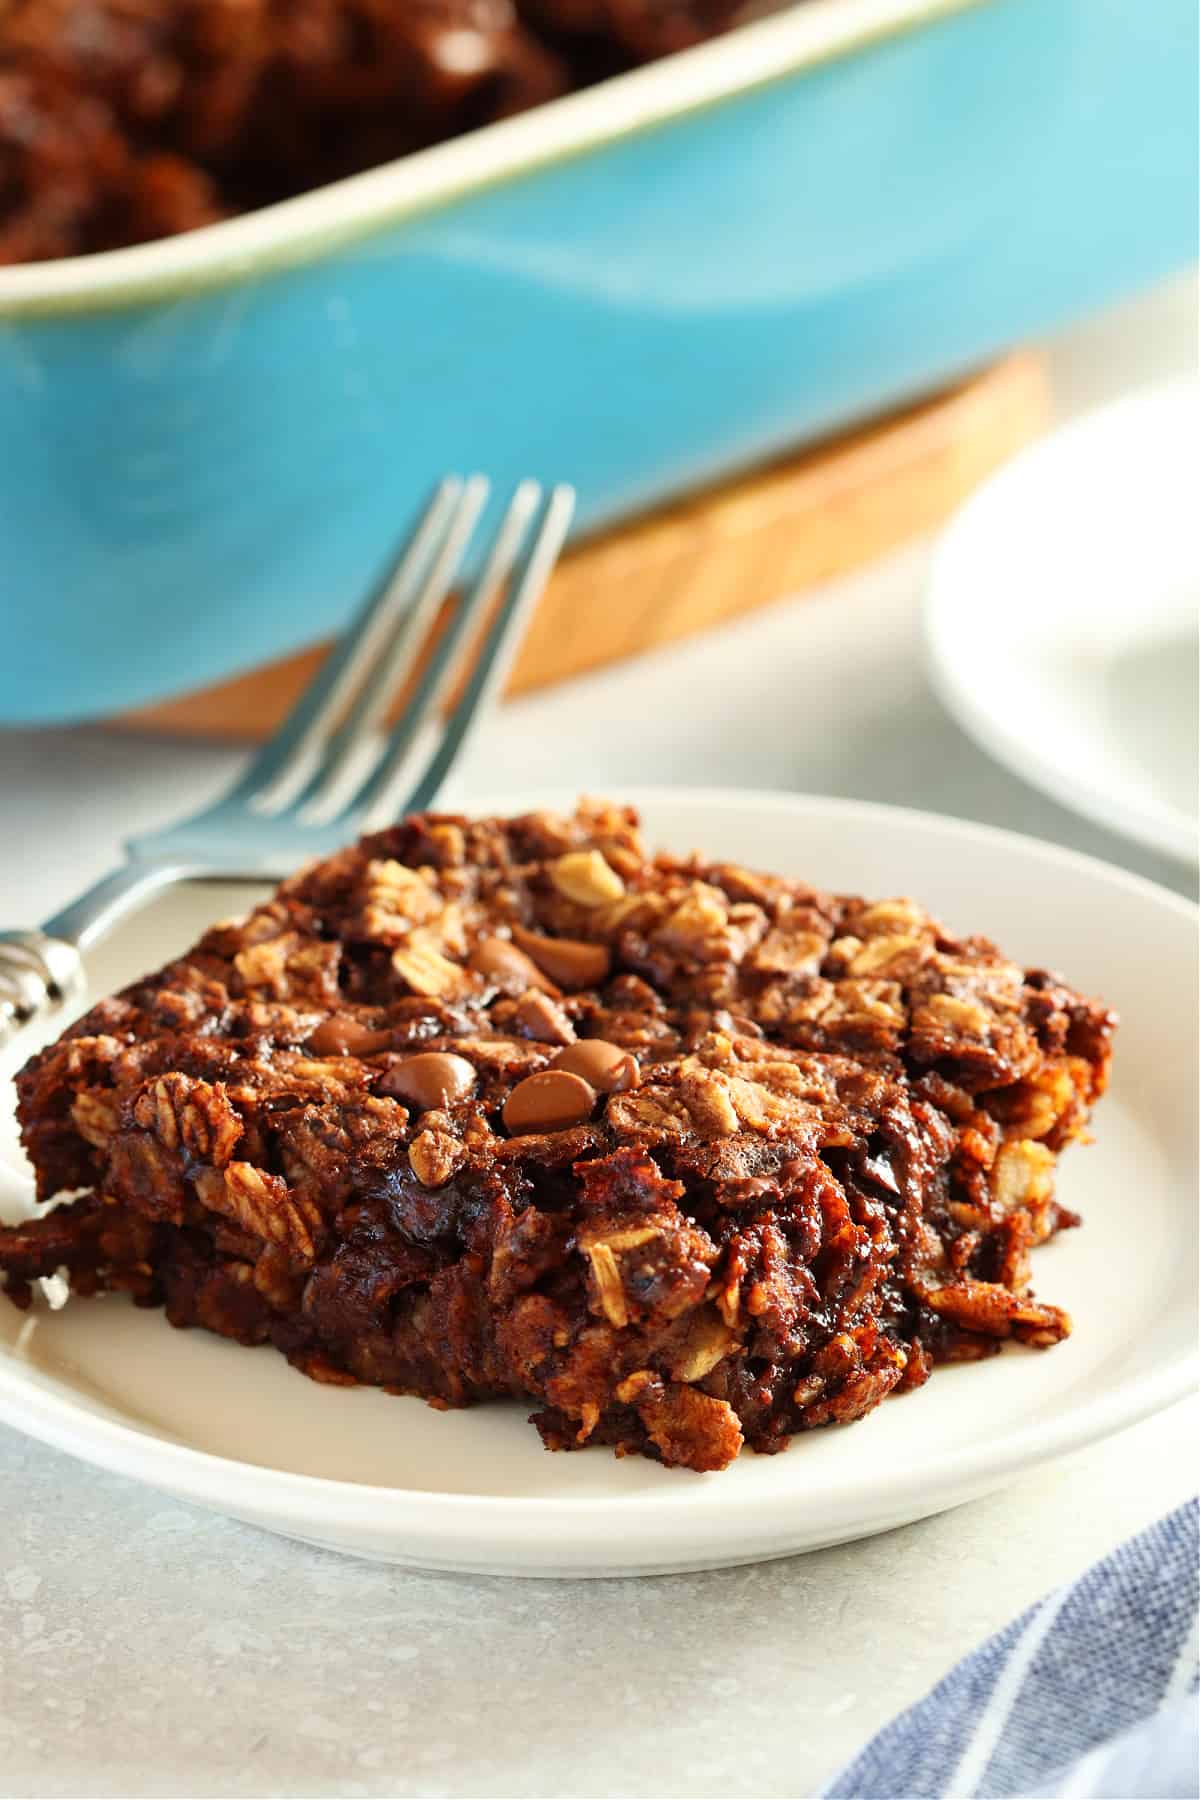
[
  {"x": 287, "y": 753},
  {"x": 394, "y": 661},
  {"x": 378, "y": 800},
  {"x": 431, "y": 691}
]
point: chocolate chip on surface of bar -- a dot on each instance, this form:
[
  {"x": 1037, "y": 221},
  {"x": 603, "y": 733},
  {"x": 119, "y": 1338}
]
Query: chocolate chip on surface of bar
[
  {"x": 606, "y": 1067},
  {"x": 431, "y": 1079},
  {"x": 500, "y": 961},
  {"x": 542, "y": 1019},
  {"x": 548, "y": 1101},
  {"x": 340, "y": 1035},
  {"x": 571, "y": 962}
]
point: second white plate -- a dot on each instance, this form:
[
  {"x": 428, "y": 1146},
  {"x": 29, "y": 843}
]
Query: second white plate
[
  {"x": 1061, "y": 617},
  {"x": 361, "y": 1472}
]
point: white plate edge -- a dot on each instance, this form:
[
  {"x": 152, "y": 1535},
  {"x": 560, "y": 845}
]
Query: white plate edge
[{"x": 1162, "y": 826}]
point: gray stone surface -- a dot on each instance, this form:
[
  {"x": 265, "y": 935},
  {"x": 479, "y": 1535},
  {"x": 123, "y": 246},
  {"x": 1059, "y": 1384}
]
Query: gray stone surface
[{"x": 147, "y": 1648}]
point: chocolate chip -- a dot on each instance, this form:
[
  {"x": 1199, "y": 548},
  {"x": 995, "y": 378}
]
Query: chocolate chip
[
  {"x": 605, "y": 1066},
  {"x": 548, "y": 1101},
  {"x": 569, "y": 961},
  {"x": 507, "y": 967},
  {"x": 431, "y": 1079},
  {"x": 341, "y": 1035},
  {"x": 542, "y": 1019}
]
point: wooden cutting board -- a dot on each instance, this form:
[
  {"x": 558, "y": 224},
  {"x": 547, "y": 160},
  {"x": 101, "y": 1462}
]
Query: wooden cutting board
[{"x": 684, "y": 568}]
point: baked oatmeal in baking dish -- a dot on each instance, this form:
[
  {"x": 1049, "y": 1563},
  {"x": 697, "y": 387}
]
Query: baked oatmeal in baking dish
[
  {"x": 128, "y": 120},
  {"x": 687, "y": 1155}
]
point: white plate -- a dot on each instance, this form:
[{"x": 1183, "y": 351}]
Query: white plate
[
  {"x": 389, "y": 1478},
  {"x": 1061, "y": 618}
]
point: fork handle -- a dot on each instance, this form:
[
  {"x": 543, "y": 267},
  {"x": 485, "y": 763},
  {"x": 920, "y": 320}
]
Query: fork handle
[
  {"x": 42, "y": 970},
  {"x": 37, "y": 972},
  {"x": 110, "y": 898}
]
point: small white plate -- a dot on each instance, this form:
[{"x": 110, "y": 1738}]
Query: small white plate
[
  {"x": 1061, "y": 617},
  {"x": 359, "y": 1471}
]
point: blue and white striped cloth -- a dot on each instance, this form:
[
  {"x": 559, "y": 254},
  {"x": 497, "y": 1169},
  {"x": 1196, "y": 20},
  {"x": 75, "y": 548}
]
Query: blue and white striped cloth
[{"x": 1091, "y": 1693}]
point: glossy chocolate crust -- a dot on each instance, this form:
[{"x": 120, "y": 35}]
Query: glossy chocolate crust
[{"x": 810, "y": 1164}]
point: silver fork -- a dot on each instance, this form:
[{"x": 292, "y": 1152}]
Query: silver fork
[{"x": 331, "y": 770}]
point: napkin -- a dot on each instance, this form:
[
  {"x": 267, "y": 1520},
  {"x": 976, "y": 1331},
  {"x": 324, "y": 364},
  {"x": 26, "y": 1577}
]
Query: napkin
[{"x": 1089, "y": 1693}]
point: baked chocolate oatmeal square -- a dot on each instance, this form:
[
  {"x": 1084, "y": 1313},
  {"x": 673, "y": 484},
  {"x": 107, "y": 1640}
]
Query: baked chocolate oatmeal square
[{"x": 688, "y": 1155}]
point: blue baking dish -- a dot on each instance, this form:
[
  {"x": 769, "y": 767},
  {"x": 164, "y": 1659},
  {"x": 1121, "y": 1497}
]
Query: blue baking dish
[{"x": 209, "y": 445}]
